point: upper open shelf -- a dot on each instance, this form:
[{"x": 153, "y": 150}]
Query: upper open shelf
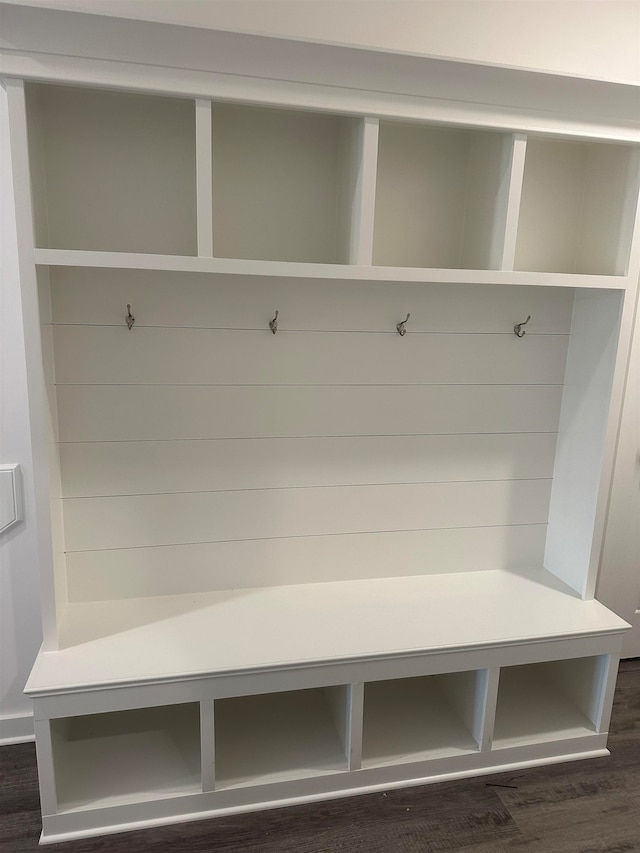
[
  {"x": 112, "y": 171},
  {"x": 576, "y": 212},
  {"x": 279, "y": 180},
  {"x": 438, "y": 197}
]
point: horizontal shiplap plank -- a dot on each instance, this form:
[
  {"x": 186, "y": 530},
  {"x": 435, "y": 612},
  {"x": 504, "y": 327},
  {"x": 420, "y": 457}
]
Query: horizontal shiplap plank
[
  {"x": 141, "y": 572},
  {"x": 151, "y": 467},
  {"x": 140, "y": 521},
  {"x": 160, "y": 298},
  {"x": 126, "y": 413},
  {"x": 115, "y": 355}
]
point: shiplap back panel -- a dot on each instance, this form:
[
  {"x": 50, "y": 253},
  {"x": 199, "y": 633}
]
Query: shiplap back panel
[{"x": 335, "y": 449}]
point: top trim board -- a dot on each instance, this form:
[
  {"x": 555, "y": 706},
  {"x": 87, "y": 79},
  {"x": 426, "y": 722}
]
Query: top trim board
[{"x": 47, "y": 34}]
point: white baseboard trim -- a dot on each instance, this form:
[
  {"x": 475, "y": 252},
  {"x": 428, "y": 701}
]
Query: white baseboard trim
[{"x": 16, "y": 729}]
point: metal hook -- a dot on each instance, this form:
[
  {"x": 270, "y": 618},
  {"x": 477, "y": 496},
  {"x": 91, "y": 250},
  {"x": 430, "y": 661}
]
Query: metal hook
[
  {"x": 518, "y": 328},
  {"x": 401, "y": 326},
  {"x": 273, "y": 324},
  {"x": 129, "y": 318}
]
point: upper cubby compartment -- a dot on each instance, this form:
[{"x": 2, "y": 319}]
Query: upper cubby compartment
[
  {"x": 577, "y": 206},
  {"x": 441, "y": 196},
  {"x": 282, "y": 184},
  {"x": 112, "y": 171}
]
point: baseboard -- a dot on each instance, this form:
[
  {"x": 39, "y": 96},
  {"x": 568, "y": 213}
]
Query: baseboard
[{"x": 16, "y": 729}]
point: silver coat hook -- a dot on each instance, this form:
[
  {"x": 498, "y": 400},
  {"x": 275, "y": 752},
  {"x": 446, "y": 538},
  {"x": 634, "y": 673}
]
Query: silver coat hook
[
  {"x": 518, "y": 328},
  {"x": 401, "y": 326},
  {"x": 273, "y": 324},
  {"x": 129, "y": 318}
]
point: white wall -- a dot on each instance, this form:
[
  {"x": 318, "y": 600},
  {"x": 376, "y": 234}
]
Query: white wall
[
  {"x": 599, "y": 38},
  {"x": 20, "y": 633}
]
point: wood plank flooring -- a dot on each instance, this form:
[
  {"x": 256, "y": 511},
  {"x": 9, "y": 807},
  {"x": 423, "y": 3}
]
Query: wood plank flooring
[{"x": 580, "y": 807}]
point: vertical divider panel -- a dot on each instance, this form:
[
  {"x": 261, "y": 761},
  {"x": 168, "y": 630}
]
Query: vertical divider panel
[
  {"x": 489, "y": 680},
  {"x": 207, "y": 745},
  {"x": 354, "y": 756},
  {"x": 46, "y": 769},
  {"x": 360, "y": 189},
  {"x": 341, "y": 706},
  {"x": 52, "y": 585},
  {"x": 628, "y": 251},
  {"x": 604, "y": 685},
  {"x": 204, "y": 185},
  {"x": 584, "y": 456},
  {"x": 466, "y": 692},
  {"x": 503, "y": 249}
]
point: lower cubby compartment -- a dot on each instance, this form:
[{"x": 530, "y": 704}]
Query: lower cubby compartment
[
  {"x": 555, "y": 700},
  {"x": 429, "y": 717},
  {"x": 278, "y": 736},
  {"x": 126, "y": 756}
]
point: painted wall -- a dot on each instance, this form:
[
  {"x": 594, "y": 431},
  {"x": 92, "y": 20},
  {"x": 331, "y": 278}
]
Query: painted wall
[{"x": 598, "y": 38}]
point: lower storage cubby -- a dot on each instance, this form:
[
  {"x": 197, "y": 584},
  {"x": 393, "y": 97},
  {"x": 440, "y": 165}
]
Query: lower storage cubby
[
  {"x": 126, "y": 756},
  {"x": 280, "y": 736},
  {"x": 415, "y": 719},
  {"x": 549, "y": 701}
]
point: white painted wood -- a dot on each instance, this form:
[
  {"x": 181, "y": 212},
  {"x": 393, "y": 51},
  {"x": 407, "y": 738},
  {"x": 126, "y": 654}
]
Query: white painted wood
[
  {"x": 74, "y": 825},
  {"x": 147, "y": 356},
  {"x": 573, "y": 543},
  {"x": 338, "y": 699},
  {"x": 465, "y": 693},
  {"x": 411, "y": 720},
  {"x": 511, "y": 180},
  {"x": 362, "y": 190},
  {"x": 533, "y": 708},
  {"x": 120, "y": 171},
  {"x": 94, "y": 469},
  {"x": 99, "y": 297},
  {"x": 619, "y": 576},
  {"x": 489, "y": 681},
  {"x": 573, "y": 200},
  {"x": 356, "y": 722},
  {"x": 47, "y": 772},
  {"x": 484, "y": 226},
  {"x": 142, "y": 572},
  {"x": 204, "y": 178},
  {"x": 583, "y": 682},
  {"x": 144, "y": 520},
  {"x": 606, "y": 676},
  {"x": 275, "y": 184},
  {"x": 207, "y": 745},
  {"x": 107, "y": 643},
  {"x": 157, "y": 57},
  {"x": 274, "y": 737},
  {"x": 610, "y": 195},
  {"x": 129, "y": 412},
  {"x": 53, "y": 591},
  {"x": 436, "y": 191},
  {"x": 341, "y": 272},
  {"x": 128, "y": 756}
]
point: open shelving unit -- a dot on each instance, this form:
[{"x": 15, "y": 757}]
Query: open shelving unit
[
  {"x": 280, "y": 736},
  {"x": 295, "y": 561},
  {"x": 441, "y": 196},
  {"x": 127, "y": 756},
  {"x": 419, "y": 718}
]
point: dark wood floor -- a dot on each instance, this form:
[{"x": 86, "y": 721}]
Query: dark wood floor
[{"x": 581, "y": 807}]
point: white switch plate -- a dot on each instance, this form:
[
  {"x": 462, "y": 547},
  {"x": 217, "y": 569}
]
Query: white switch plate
[{"x": 11, "y": 511}]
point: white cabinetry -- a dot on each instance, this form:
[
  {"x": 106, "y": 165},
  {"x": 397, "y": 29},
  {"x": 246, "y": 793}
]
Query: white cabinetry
[{"x": 280, "y": 567}]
